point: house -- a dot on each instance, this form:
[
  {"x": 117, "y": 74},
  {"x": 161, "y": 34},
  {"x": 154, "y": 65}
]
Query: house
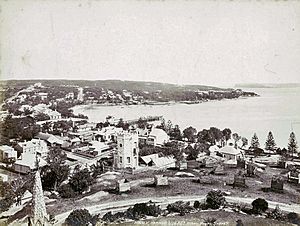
[
  {"x": 43, "y": 108},
  {"x": 35, "y": 146},
  {"x": 127, "y": 153},
  {"x": 230, "y": 153},
  {"x": 158, "y": 161},
  {"x": 108, "y": 134},
  {"x": 99, "y": 146},
  {"x": 50, "y": 139},
  {"x": 7, "y": 154},
  {"x": 28, "y": 162},
  {"x": 157, "y": 137}
]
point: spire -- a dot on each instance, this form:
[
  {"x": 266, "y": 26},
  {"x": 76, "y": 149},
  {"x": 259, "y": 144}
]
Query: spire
[{"x": 39, "y": 214}]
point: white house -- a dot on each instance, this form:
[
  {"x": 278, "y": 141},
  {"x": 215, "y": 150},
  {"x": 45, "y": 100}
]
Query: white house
[
  {"x": 127, "y": 153},
  {"x": 155, "y": 136},
  {"x": 35, "y": 146},
  {"x": 159, "y": 162},
  {"x": 230, "y": 153},
  {"x": 28, "y": 162},
  {"x": 7, "y": 153}
]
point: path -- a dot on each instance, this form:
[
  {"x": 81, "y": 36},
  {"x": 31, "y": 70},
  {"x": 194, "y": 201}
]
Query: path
[{"x": 118, "y": 206}]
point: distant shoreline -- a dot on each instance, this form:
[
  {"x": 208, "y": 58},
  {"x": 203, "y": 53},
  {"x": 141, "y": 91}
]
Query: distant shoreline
[{"x": 93, "y": 105}]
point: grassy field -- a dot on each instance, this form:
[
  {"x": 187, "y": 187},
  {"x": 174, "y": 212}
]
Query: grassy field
[{"x": 185, "y": 186}]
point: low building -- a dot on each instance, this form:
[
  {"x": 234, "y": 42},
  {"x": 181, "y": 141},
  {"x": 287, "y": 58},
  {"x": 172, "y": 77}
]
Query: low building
[
  {"x": 7, "y": 154},
  {"x": 157, "y": 137},
  {"x": 155, "y": 160},
  {"x": 27, "y": 163},
  {"x": 35, "y": 146},
  {"x": 230, "y": 153},
  {"x": 50, "y": 139}
]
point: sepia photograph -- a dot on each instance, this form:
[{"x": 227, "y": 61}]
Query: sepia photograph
[{"x": 149, "y": 112}]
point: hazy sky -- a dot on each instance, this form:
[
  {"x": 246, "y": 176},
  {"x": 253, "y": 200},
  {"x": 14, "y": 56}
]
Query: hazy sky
[{"x": 182, "y": 42}]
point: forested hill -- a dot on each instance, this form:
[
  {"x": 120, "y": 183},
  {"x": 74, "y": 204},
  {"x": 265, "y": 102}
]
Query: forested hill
[
  {"x": 112, "y": 85},
  {"x": 114, "y": 91}
]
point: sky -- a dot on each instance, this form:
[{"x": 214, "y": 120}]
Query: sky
[{"x": 182, "y": 42}]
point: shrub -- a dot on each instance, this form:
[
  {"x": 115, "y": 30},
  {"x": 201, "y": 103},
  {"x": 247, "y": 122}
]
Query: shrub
[
  {"x": 276, "y": 214},
  {"x": 179, "y": 207},
  {"x": 259, "y": 206},
  {"x": 136, "y": 212},
  {"x": 215, "y": 199},
  {"x": 143, "y": 209},
  {"x": 66, "y": 191},
  {"x": 293, "y": 218},
  {"x": 79, "y": 217},
  {"x": 196, "y": 204}
]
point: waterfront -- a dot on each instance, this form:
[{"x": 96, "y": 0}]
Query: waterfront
[{"x": 276, "y": 109}]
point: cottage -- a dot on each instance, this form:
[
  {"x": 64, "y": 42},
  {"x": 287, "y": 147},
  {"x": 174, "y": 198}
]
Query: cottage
[
  {"x": 155, "y": 160},
  {"x": 35, "y": 146},
  {"x": 27, "y": 163},
  {"x": 157, "y": 137},
  {"x": 7, "y": 154},
  {"x": 230, "y": 153},
  {"x": 50, "y": 139}
]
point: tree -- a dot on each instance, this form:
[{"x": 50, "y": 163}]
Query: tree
[
  {"x": 79, "y": 217},
  {"x": 81, "y": 180},
  {"x": 41, "y": 117},
  {"x": 292, "y": 145},
  {"x": 215, "y": 199},
  {"x": 236, "y": 138},
  {"x": 190, "y": 133},
  {"x": 169, "y": 127},
  {"x": 216, "y": 134},
  {"x": 244, "y": 142},
  {"x": 53, "y": 174},
  {"x": 254, "y": 142},
  {"x": 142, "y": 123},
  {"x": 65, "y": 191},
  {"x": 270, "y": 142},
  {"x": 259, "y": 206},
  {"x": 97, "y": 169},
  {"x": 176, "y": 133},
  {"x": 226, "y": 134},
  {"x": 191, "y": 152}
]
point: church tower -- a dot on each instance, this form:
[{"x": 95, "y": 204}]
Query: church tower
[{"x": 39, "y": 215}]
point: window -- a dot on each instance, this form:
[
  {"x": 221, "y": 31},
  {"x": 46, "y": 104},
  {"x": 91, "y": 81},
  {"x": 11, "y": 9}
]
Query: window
[
  {"x": 120, "y": 145},
  {"x": 134, "y": 151},
  {"x": 120, "y": 159},
  {"x": 128, "y": 159}
]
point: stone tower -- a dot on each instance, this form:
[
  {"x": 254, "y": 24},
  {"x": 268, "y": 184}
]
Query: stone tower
[
  {"x": 39, "y": 215},
  {"x": 127, "y": 153}
]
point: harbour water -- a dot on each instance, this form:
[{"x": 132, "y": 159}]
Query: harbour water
[{"x": 276, "y": 110}]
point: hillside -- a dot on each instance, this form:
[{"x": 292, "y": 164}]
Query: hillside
[{"x": 111, "y": 84}]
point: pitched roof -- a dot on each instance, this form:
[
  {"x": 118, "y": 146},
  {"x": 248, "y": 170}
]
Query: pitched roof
[{"x": 229, "y": 150}]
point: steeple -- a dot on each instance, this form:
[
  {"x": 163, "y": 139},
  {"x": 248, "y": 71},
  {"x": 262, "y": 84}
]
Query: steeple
[{"x": 39, "y": 215}]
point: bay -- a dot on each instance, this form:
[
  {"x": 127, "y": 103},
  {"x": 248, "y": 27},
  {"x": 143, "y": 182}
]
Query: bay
[{"x": 276, "y": 110}]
